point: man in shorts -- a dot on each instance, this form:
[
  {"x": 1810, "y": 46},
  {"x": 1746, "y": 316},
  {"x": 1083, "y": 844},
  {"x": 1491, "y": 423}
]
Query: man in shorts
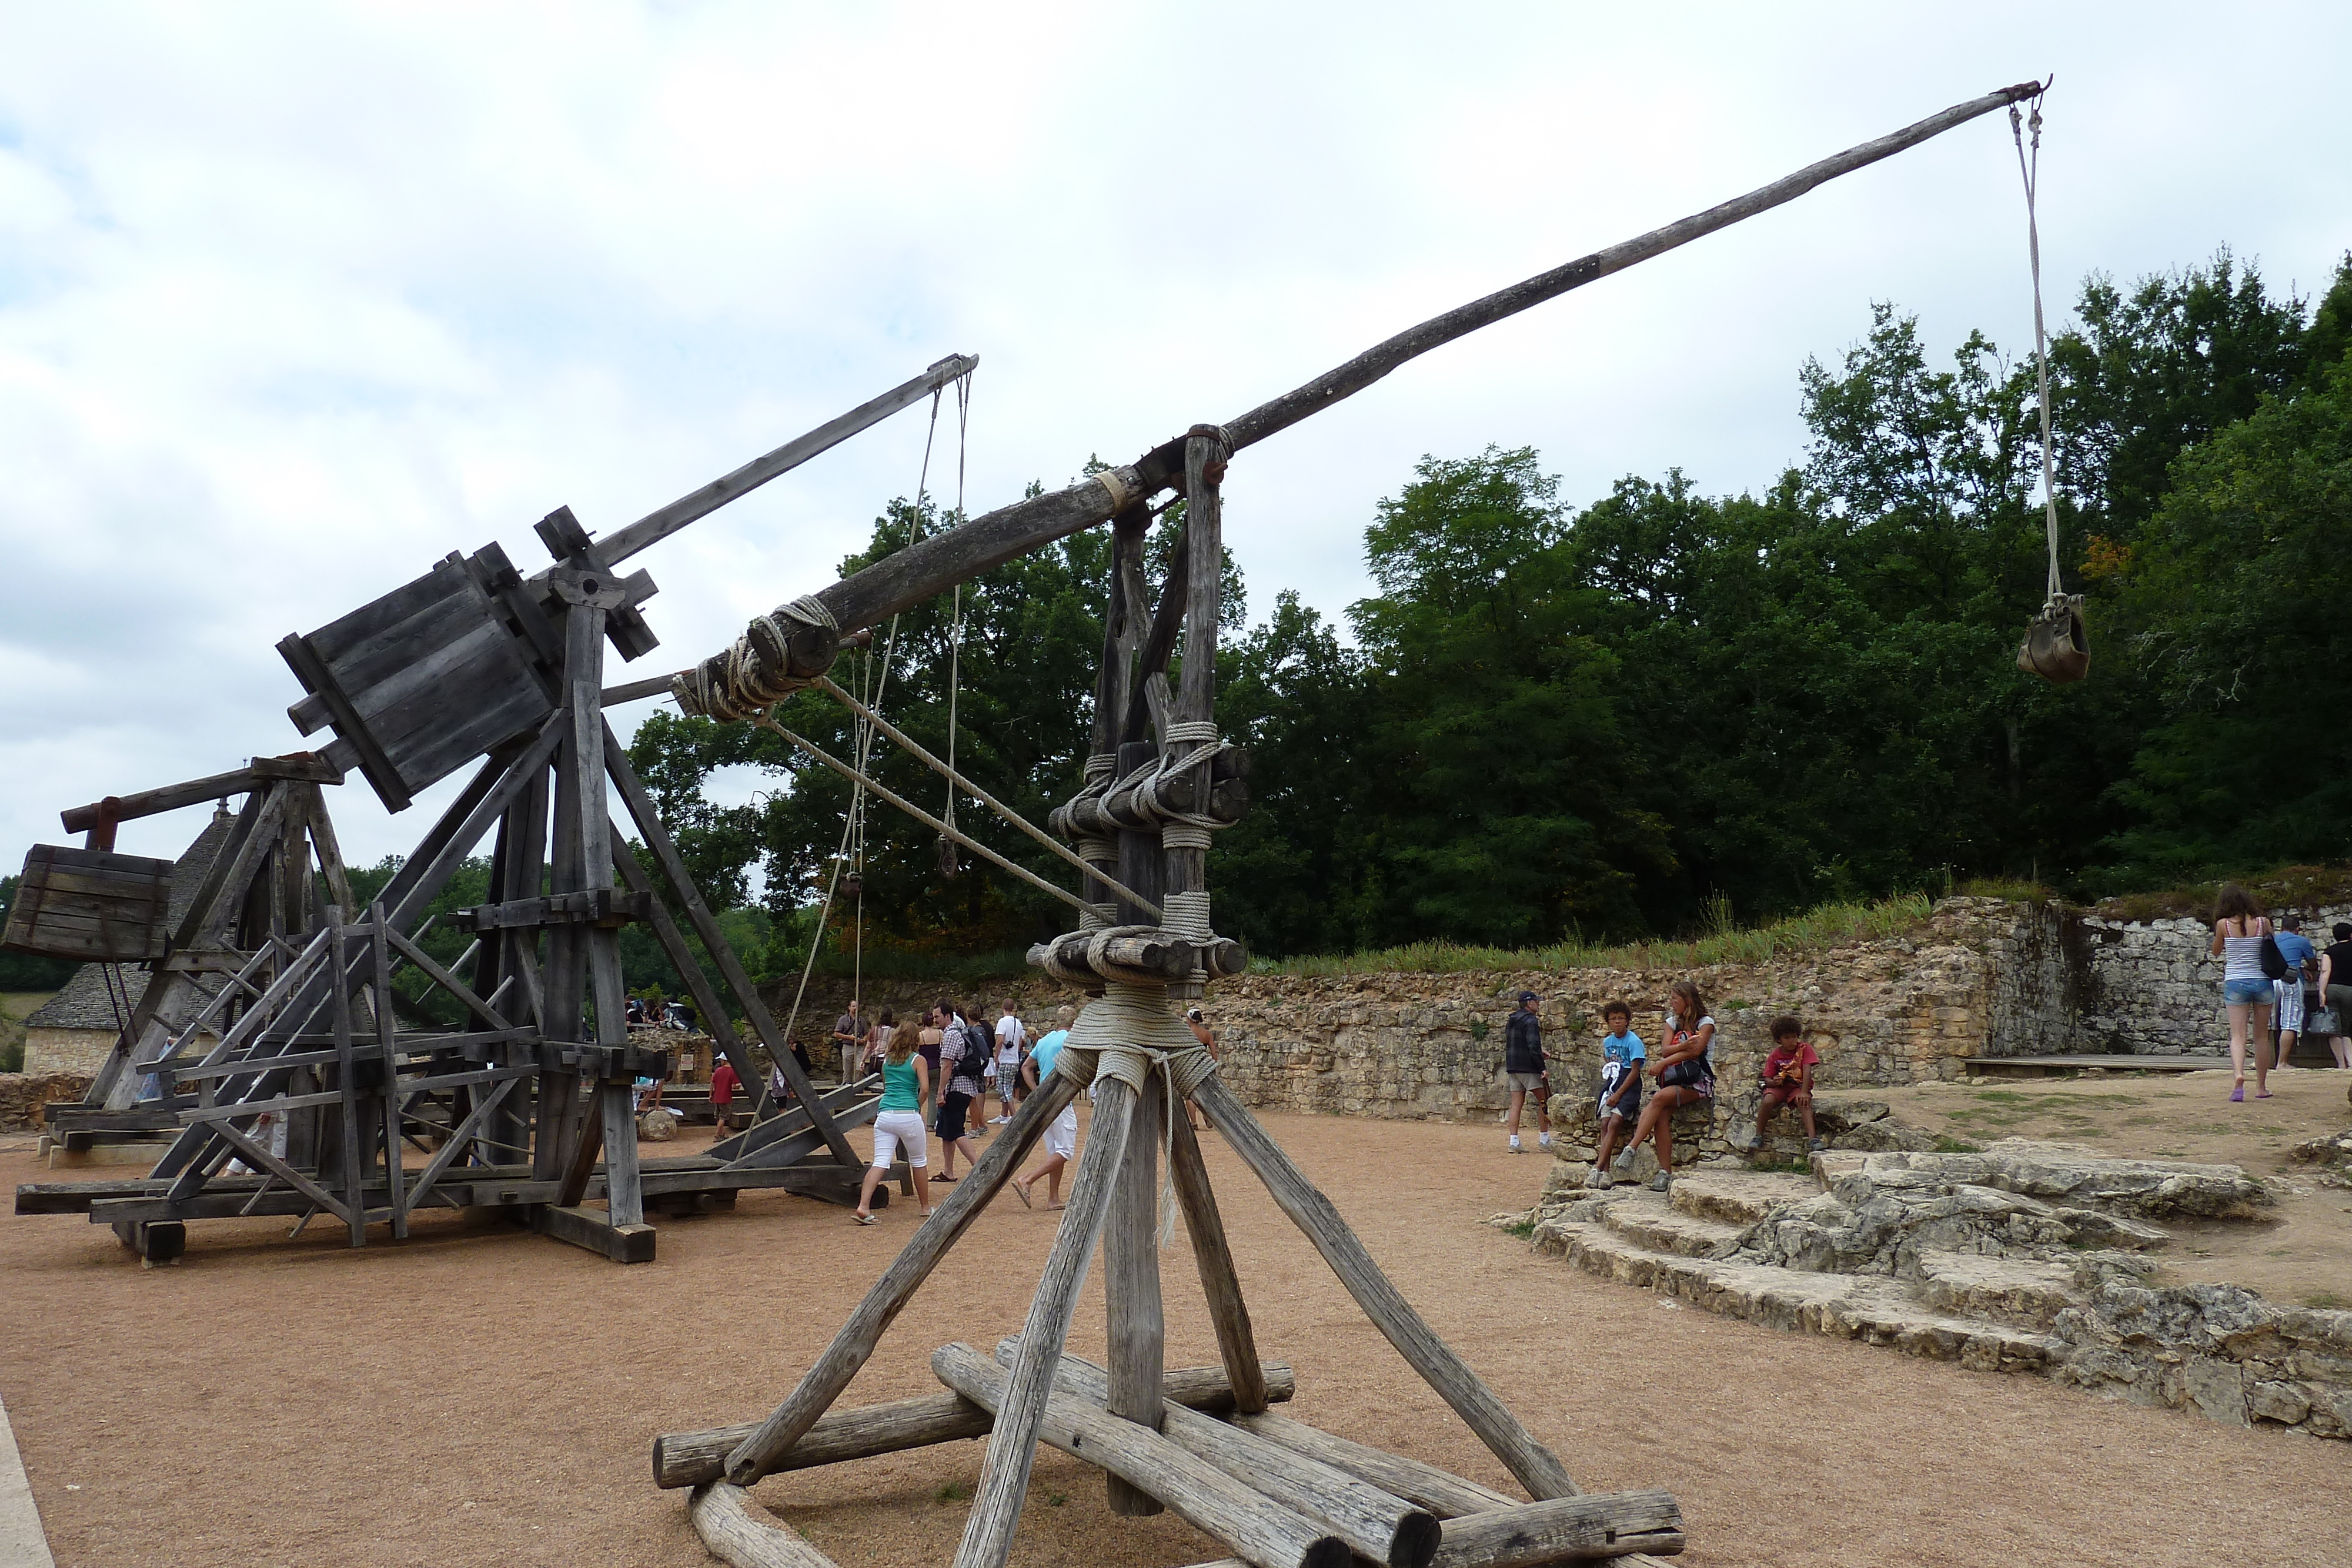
[
  {"x": 2302, "y": 963},
  {"x": 1621, "y": 1054},
  {"x": 1523, "y": 1064},
  {"x": 1061, "y": 1138}
]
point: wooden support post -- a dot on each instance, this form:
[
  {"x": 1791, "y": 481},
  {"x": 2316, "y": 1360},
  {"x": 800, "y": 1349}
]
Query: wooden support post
[
  {"x": 1373, "y": 1523},
  {"x": 347, "y": 1078},
  {"x": 1187, "y": 850},
  {"x": 387, "y": 1042},
  {"x": 691, "y": 1458},
  {"x": 823, "y": 1383},
  {"x": 1228, "y": 1314},
  {"x": 1538, "y": 1468},
  {"x": 1013, "y": 1447},
  {"x": 1131, "y": 1288},
  {"x": 1265, "y": 1533},
  {"x": 1139, "y": 851}
]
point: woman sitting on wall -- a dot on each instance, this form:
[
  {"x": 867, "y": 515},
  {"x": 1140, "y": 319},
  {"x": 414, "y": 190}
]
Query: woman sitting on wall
[
  {"x": 1684, "y": 1074},
  {"x": 2240, "y": 930}
]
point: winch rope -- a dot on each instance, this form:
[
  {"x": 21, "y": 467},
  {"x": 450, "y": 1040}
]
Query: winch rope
[
  {"x": 852, "y": 848},
  {"x": 768, "y": 721},
  {"x": 955, "y": 634},
  {"x": 2030, "y": 169},
  {"x": 958, "y": 781}
]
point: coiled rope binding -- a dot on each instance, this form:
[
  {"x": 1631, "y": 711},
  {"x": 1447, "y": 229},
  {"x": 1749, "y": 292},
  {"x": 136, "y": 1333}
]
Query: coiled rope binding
[{"x": 779, "y": 653}]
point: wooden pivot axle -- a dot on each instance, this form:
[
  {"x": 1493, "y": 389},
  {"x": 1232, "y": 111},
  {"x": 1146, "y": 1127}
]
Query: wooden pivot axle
[{"x": 696, "y": 1459}]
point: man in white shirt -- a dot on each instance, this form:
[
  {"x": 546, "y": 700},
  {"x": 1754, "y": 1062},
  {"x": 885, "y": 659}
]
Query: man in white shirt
[{"x": 1010, "y": 1037}]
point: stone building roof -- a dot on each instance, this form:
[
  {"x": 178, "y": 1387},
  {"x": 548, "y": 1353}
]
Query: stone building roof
[{"x": 84, "y": 1002}]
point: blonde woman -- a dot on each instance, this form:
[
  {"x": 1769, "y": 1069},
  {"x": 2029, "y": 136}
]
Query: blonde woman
[{"x": 905, "y": 1085}]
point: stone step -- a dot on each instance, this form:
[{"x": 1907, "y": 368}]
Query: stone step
[
  {"x": 1873, "y": 1309},
  {"x": 1738, "y": 1196},
  {"x": 1647, "y": 1220},
  {"x": 2013, "y": 1290}
]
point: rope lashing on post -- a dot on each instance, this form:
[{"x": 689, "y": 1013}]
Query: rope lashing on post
[
  {"x": 881, "y": 792},
  {"x": 2055, "y": 646},
  {"x": 756, "y": 672},
  {"x": 1128, "y": 1033},
  {"x": 1095, "y": 850},
  {"x": 958, "y": 781}
]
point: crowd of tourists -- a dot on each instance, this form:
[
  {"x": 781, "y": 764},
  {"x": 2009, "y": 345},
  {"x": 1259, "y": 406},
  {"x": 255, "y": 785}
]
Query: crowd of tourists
[{"x": 2265, "y": 966}]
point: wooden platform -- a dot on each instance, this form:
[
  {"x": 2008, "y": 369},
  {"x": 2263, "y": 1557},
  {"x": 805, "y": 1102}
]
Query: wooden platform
[{"x": 2054, "y": 1066}]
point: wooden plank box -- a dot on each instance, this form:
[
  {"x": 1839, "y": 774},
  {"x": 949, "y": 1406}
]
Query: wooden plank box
[
  {"x": 420, "y": 683},
  {"x": 93, "y": 905}
]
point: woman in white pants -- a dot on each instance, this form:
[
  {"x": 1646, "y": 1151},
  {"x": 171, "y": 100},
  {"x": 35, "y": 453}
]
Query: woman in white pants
[{"x": 899, "y": 1121}]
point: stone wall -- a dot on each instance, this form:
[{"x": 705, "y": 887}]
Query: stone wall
[
  {"x": 2147, "y": 985},
  {"x": 22, "y": 1095},
  {"x": 81, "y": 1051}
]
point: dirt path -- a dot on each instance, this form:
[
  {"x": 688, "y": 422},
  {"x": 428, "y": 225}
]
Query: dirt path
[
  {"x": 481, "y": 1397},
  {"x": 2303, "y": 1260}
]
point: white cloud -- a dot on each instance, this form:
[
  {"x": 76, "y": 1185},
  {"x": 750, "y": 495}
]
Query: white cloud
[{"x": 295, "y": 299}]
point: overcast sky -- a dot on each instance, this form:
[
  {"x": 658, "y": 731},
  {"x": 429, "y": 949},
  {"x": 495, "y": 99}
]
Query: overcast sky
[{"x": 296, "y": 299}]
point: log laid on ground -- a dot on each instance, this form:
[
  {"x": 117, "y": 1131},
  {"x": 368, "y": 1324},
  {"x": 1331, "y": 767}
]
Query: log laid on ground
[
  {"x": 740, "y": 1532},
  {"x": 1442, "y": 1492},
  {"x": 1261, "y": 1532},
  {"x": 1373, "y": 1523},
  {"x": 1564, "y": 1530},
  {"x": 691, "y": 1458},
  {"x": 1538, "y": 1468}
]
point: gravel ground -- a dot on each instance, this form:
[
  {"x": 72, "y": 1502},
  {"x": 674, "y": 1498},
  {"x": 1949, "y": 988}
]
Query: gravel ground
[{"x": 484, "y": 1396}]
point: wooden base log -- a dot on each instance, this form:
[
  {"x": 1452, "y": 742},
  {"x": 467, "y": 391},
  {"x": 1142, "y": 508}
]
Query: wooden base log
[
  {"x": 1564, "y": 1530},
  {"x": 1442, "y": 1492},
  {"x": 1373, "y": 1523},
  {"x": 821, "y": 1384},
  {"x": 740, "y": 1532},
  {"x": 694, "y": 1459},
  {"x": 1261, "y": 1532},
  {"x": 1538, "y": 1468}
]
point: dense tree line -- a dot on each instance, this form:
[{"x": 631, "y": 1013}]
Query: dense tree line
[{"x": 1630, "y": 717}]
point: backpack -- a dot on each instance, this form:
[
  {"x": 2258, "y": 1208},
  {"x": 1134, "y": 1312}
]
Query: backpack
[
  {"x": 2274, "y": 965},
  {"x": 973, "y": 1062}
]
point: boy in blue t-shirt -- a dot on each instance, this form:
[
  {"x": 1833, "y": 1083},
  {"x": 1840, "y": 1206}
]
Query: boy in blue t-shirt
[{"x": 1622, "y": 1055}]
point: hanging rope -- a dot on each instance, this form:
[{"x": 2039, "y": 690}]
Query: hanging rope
[
  {"x": 2029, "y": 167},
  {"x": 955, "y": 643},
  {"x": 2055, "y": 646}
]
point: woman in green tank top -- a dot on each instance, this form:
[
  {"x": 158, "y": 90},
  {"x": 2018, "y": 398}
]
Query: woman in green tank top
[{"x": 900, "y": 1124}]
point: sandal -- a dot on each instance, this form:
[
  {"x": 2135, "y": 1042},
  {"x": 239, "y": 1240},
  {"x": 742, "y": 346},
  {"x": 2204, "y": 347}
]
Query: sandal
[
  {"x": 864, "y": 1218},
  {"x": 2238, "y": 1093},
  {"x": 1021, "y": 1193}
]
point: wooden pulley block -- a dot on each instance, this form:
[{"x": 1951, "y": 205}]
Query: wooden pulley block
[{"x": 2056, "y": 646}]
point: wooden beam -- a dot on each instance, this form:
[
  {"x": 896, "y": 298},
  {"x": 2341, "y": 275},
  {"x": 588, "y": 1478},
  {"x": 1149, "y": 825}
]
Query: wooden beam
[
  {"x": 930, "y": 566},
  {"x": 656, "y": 526},
  {"x": 1261, "y": 1530},
  {"x": 1538, "y": 1468},
  {"x": 1445, "y": 1494},
  {"x": 1373, "y": 1523},
  {"x": 302, "y": 765},
  {"x": 692, "y": 1458},
  {"x": 593, "y": 1230},
  {"x": 1228, "y": 1313},
  {"x": 1138, "y": 1327},
  {"x": 1604, "y": 1526}
]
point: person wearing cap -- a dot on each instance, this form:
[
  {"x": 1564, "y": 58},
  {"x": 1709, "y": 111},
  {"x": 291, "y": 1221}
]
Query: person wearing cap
[{"x": 1523, "y": 1064}]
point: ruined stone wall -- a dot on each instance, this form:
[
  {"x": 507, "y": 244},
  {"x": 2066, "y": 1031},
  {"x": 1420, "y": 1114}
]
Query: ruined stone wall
[
  {"x": 2148, "y": 987},
  {"x": 23, "y": 1094}
]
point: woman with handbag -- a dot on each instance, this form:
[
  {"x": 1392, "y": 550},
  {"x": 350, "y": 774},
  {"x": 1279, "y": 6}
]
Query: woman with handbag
[
  {"x": 2335, "y": 1020},
  {"x": 1685, "y": 1066},
  {"x": 2241, "y": 932}
]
